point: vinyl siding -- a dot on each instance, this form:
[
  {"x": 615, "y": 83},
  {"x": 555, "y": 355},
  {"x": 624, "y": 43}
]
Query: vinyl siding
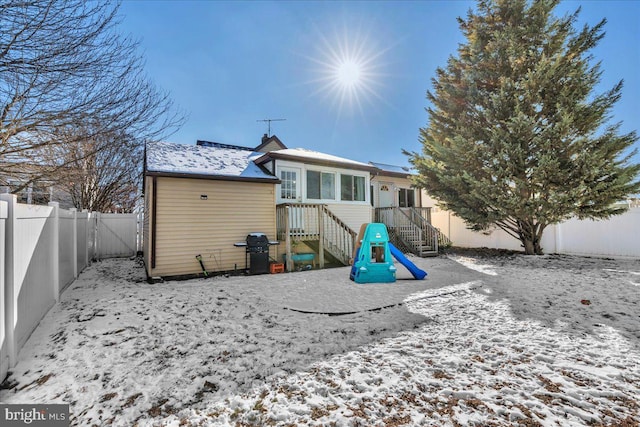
[
  {"x": 272, "y": 146},
  {"x": 187, "y": 226},
  {"x": 352, "y": 215}
]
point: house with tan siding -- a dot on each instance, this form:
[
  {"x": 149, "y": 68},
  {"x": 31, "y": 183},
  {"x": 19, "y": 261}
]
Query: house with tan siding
[{"x": 201, "y": 199}]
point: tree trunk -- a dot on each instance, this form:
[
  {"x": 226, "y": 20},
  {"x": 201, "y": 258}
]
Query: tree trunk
[
  {"x": 537, "y": 248},
  {"x": 531, "y": 237},
  {"x": 529, "y": 246}
]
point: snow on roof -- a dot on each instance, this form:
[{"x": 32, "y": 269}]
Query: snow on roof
[
  {"x": 310, "y": 154},
  {"x": 202, "y": 160},
  {"x": 392, "y": 168}
]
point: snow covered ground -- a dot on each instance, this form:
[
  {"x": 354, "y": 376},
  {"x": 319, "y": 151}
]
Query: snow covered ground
[{"x": 512, "y": 340}]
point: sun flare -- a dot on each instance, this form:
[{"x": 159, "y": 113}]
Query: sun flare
[
  {"x": 348, "y": 70},
  {"x": 348, "y": 73}
]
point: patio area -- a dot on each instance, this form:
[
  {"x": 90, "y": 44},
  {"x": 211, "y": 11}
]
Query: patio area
[{"x": 331, "y": 292}]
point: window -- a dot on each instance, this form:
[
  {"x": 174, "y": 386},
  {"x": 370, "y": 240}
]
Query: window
[
  {"x": 407, "y": 198},
  {"x": 352, "y": 188},
  {"x": 321, "y": 185},
  {"x": 288, "y": 188}
]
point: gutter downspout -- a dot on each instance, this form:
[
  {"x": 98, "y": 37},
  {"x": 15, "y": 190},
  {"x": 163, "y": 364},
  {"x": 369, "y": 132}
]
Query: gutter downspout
[{"x": 154, "y": 198}]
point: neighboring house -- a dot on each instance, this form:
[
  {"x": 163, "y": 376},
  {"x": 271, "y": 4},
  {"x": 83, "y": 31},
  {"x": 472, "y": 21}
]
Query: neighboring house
[
  {"x": 391, "y": 186},
  {"x": 400, "y": 206},
  {"x": 200, "y": 200},
  {"x": 38, "y": 192}
]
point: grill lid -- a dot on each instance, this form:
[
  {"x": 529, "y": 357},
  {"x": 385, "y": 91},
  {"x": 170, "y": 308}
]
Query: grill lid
[{"x": 257, "y": 240}]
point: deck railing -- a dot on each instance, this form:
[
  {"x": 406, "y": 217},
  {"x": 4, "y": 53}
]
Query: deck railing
[
  {"x": 421, "y": 212},
  {"x": 430, "y": 233},
  {"x": 410, "y": 229},
  {"x": 314, "y": 222},
  {"x": 443, "y": 240},
  {"x": 403, "y": 232},
  {"x": 339, "y": 239}
]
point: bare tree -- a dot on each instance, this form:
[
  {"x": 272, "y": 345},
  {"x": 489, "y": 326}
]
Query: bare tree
[
  {"x": 63, "y": 64},
  {"x": 100, "y": 173}
]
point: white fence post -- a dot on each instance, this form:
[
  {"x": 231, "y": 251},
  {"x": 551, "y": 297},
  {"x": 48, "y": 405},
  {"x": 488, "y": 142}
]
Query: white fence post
[
  {"x": 88, "y": 236},
  {"x": 97, "y": 254},
  {"x": 139, "y": 231},
  {"x": 4, "y": 357},
  {"x": 11, "y": 300},
  {"x": 74, "y": 211},
  {"x": 55, "y": 250}
]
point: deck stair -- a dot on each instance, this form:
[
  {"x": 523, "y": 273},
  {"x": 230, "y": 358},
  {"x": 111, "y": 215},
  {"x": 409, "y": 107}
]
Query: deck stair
[
  {"x": 410, "y": 230},
  {"x": 319, "y": 228}
]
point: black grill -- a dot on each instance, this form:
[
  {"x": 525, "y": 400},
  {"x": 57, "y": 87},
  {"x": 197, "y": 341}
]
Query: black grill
[
  {"x": 257, "y": 252},
  {"x": 257, "y": 243}
]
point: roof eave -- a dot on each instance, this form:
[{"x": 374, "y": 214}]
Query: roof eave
[
  {"x": 382, "y": 172},
  {"x": 321, "y": 162},
  {"x": 273, "y": 180}
]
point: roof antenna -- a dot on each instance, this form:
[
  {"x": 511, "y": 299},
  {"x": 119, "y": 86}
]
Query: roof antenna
[{"x": 269, "y": 124}]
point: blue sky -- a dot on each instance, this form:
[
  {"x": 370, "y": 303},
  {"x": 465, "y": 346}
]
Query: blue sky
[{"x": 229, "y": 64}]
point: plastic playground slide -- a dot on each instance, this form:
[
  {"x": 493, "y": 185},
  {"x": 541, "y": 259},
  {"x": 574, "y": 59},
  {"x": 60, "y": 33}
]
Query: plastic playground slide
[{"x": 417, "y": 273}]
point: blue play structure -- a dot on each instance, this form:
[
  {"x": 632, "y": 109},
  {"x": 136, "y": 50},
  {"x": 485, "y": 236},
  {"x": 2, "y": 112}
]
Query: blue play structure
[
  {"x": 372, "y": 261},
  {"x": 417, "y": 273}
]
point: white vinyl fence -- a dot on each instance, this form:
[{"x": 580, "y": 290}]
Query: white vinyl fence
[
  {"x": 614, "y": 237},
  {"x": 116, "y": 235},
  {"x": 42, "y": 251}
]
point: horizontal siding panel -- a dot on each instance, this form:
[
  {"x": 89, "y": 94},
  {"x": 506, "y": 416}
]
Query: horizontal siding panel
[
  {"x": 187, "y": 225},
  {"x": 352, "y": 215}
]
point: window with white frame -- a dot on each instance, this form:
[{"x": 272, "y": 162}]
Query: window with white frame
[
  {"x": 288, "y": 184},
  {"x": 321, "y": 185},
  {"x": 352, "y": 188}
]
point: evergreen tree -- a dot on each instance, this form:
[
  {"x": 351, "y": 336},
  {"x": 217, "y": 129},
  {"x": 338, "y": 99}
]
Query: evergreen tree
[{"x": 517, "y": 138}]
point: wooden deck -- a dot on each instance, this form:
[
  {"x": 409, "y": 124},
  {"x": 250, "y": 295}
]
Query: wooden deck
[{"x": 310, "y": 222}]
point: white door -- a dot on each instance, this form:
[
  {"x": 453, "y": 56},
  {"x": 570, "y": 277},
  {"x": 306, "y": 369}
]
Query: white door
[
  {"x": 290, "y": 191},
  {"x": 386, "y": 195}
]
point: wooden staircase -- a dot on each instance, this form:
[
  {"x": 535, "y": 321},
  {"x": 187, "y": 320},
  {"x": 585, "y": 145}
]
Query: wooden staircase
[
  {"x": 317, "y": 227},
  {"x": 410, "y": 230}
]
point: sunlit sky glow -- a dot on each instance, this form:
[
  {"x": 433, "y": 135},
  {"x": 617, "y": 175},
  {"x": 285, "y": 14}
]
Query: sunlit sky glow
[
  {"x": 349, "y": 77},
  {"x": 348, "y": 68},
  {"x": 349, "y": 73}
]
